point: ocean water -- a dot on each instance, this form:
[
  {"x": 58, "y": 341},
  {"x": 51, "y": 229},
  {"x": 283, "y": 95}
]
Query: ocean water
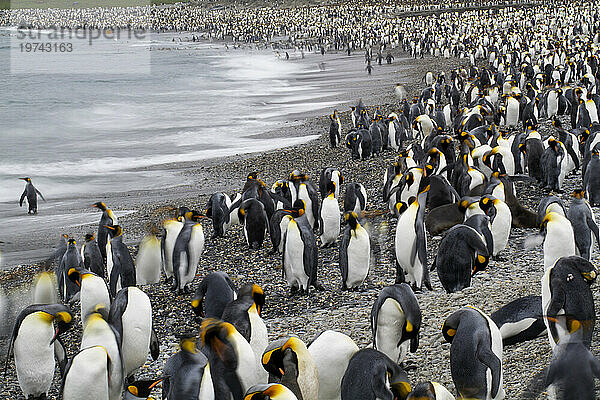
[{"x": 95, "y": 133}]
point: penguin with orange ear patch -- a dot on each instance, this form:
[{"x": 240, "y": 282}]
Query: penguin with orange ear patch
[
  {"x": 411, "y": 244},
  {"x": 475, "y": 354}
]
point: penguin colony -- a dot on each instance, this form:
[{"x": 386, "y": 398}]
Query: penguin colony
[{"x": 459, "y": 148}]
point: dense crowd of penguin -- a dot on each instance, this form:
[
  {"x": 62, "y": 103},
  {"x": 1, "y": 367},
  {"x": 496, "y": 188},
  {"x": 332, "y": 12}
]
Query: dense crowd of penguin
[{"x": 460, "y": 145}]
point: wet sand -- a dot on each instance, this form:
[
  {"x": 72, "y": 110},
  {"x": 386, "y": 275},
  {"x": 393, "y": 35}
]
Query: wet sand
[{"x": 28, "y": 239}]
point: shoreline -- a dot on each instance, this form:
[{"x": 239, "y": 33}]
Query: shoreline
[{"x": 71, "y": 214}]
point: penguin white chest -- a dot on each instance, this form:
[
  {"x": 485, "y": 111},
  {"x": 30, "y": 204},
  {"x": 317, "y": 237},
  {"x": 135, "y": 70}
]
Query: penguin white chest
[
  {"x": 196, "y": 247},
  {"x": 390, "y": 322},
  {"x": 34, "y": 357},
  {"x": 294, "y": 258},
  {"x": 359, "y": 253},
  {"x": 303, "y": 195},
  {"x": 93, "y": 292},
  {"x": 148, "y": 260},
  {"x": 501, "y": 227},
  {"x": 559, "y": 242},
  {"x": 258, "y": 337},
  {"x": 173, "y": 228},
  {"x": 330, "y": 214},
  {"x": 137, "y": 328},
  {"x": 406, "y": 246},
  {"x": 88, "y": 377}
]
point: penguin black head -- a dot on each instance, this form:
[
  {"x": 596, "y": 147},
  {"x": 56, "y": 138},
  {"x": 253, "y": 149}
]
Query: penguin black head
[
  {"x": 330, "y": 188},
  {"x": 71, "y": 242},
  {"x": 579, "y": 193},
  {"x": 143, "y": 388},
  {"x": 352, "y": 219},
  {"x": 423, "y": 391},
  {"x": 399, "y": 384},
  {"x": 61, "y": 315},
  {"x": 556, "y": 122},
  {"x": 252, "y": 176},
  {"x": 100, "y": 205},
  {"x": 400, "y": 208},
  {"x": 450, "y": 326},
  {"x": 428, "y": 170},
  {"x": 281, "y": 356},
  {"x": 254, "y": 292},
  {"x": 299, "y": 204},
  {"x": 89, "y": 237},
  {"x": 216, "y": 335},
  {"x": 75, "y": 276},
  {"x": 266, "y": 392},
  {"x": 26, "y": 179}
]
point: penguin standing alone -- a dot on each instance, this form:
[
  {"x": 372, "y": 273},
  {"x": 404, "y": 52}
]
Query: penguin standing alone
[{"x": 31, "y": 193}]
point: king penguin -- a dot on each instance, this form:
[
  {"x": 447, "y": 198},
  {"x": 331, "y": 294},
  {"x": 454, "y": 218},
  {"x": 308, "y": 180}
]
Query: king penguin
[
  {"x": 87, "y": 375},
  {"x": 355, "y": 253},
  {"x": 186, "y": 252},
  {"x": 270, "y": 391},
  {"x": 71, "y": 259},
  {"x": 98, "y": 332},
  {"x": 187, "y": 374},
  {"x": 149, "y": 259},
  {"x": 567, "y": 300},
  {"x": 44, "y": 291},
  {"x": 584, "y": 224},
  {"x": 475, "y": 354},
  {"x": 501, "y": 220},
  {"x": 371, "y": 375},
  {"x": 559, "y": 239},
  {"x": 245, "y": 314},
  {"x": 119, "y": 264},
  {"x": 331, "y": 352},
  {"x": 91, "y": 256},
  {"x": 300, "y": 254},
  {"x": 289, "y": 362},
  {"x": 131, "y": 317},
  {"x": 430, "y": 391},
  {"x": 233, "y": 364},
  {"x": 32, "y": 342},
  {"x": 93, "y": 291},
  {"x": 171, "y": 229},
  {"x": 396, "y": 322},
  {"x": 329, "y": 217},
  {"x": 411, "y": 243},
  {"x": 31, "y": 193},
  {"x": 212, "y": 295},
  {"x": 107, "y": 218}
]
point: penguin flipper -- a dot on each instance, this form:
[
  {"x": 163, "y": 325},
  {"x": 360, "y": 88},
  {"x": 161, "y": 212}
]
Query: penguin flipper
[
  {"x": 557, "y": 301},
  {"x": 154, "y": 345},
  {"x": 379, "y": 384},
  {"x": 22, "y": 198},
  {"x": 344, "y": 255},
  {"x": 40, "y": 193},
  {"x": 594, "y": 228},
  {"x": 60, "y": 353},
  {"x": 487, "y": 357},
  {"x": 117, "y": 308}
]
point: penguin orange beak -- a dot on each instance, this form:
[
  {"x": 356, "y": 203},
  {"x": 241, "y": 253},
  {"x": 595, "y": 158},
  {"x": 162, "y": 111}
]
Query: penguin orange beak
[
  {"x": 56, "y": 331},
  {"x": 112, "y": 228}
]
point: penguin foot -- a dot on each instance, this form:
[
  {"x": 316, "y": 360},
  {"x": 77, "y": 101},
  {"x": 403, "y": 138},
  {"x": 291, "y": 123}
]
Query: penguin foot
[
  {"x": 317, "y": 286},
  {"x": 169, "y": 280}
]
